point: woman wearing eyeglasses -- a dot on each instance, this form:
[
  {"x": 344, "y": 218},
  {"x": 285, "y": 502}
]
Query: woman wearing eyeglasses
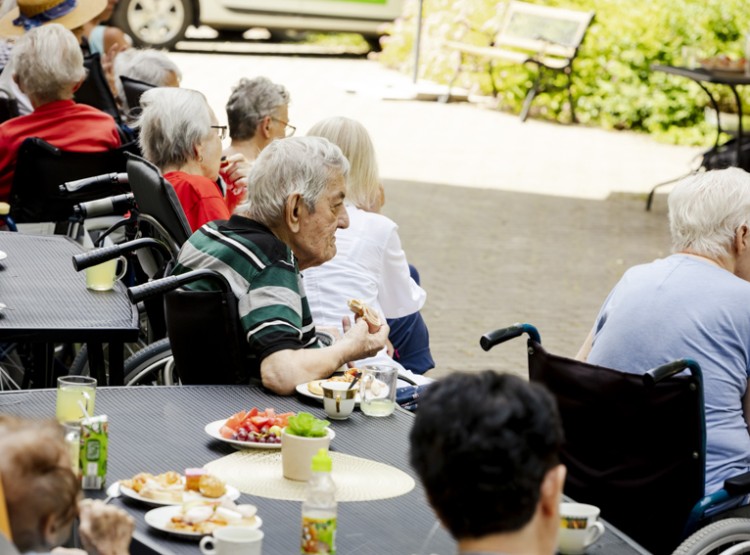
[
  {"x": 258, "y": 113},
  {"x": 179, "y": 133}
]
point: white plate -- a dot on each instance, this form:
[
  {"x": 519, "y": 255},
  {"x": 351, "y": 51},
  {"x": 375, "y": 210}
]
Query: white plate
[
  {"x": 161, "y": 517},
  {"x": 3, "y": 255},
  {"x": 231, "y": 494},
  {"x": 213, "y": 428},
  {"x": 302, "y": 389}
]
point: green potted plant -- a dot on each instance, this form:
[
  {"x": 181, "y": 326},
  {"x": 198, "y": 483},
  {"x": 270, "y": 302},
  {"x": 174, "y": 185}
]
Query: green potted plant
[{"x": 300, "y": 441}]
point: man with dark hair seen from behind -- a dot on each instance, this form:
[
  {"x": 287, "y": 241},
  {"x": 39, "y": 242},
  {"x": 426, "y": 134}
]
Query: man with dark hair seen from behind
[{"x": 486, "y": 446}]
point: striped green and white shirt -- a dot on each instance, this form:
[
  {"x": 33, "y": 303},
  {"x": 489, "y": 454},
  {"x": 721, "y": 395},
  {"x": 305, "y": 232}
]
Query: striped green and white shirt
[{"x": 265, "y": 278}]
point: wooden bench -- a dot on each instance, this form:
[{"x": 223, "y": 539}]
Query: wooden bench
[{"x": 547, "y": 37}]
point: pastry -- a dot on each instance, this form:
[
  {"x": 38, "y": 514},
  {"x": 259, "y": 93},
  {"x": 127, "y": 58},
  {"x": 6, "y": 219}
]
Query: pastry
[{"x": 366, "y": 313}]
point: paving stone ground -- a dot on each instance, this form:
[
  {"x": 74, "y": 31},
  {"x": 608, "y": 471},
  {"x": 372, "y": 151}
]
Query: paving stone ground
[{"x": 491, "y": 258}]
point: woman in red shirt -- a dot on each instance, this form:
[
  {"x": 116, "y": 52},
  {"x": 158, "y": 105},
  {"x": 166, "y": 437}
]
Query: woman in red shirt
[{"x": 179, "y": 133}]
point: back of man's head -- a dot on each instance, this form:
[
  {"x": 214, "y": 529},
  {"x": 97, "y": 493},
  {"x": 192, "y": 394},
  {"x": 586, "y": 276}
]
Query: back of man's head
[{"x": 482, "y": 445}]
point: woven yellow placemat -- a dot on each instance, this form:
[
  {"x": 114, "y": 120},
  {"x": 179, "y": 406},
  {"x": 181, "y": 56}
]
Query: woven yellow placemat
[{"x": 259, "y": 473}]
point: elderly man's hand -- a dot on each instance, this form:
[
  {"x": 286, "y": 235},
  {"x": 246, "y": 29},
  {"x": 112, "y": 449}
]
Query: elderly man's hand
[
  {"x": 364, "y": 343},
  {"x": 104, "y": 529}
]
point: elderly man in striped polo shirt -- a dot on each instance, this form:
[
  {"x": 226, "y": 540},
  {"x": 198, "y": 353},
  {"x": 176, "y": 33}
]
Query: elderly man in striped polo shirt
[{"x": 296, "y": 202}]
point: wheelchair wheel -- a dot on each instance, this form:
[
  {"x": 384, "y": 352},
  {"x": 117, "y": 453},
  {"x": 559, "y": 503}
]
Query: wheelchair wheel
[
  {"x": 717, "y": 538},
  {"x": 80, "y": 365},
  {"x": 153, "y": 365},
  {"x": 11, "y": 367}
]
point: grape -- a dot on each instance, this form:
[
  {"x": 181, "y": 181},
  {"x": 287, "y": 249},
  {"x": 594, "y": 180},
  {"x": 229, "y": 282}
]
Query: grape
[{"x": 242, "y": 434}]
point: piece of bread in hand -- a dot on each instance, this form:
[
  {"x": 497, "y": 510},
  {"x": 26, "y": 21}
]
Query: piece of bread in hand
[{"x": 366, "y": 313}]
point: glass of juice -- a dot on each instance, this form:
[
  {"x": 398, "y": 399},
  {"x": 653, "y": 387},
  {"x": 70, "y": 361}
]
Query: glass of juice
[{"x": 71, "y": 390}]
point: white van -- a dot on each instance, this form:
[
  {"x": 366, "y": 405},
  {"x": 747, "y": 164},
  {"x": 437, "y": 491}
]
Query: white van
[{"x": 160, "y": 24}]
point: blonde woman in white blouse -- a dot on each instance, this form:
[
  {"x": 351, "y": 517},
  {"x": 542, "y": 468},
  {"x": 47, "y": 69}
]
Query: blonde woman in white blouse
[{"x": 370, "y": 263}]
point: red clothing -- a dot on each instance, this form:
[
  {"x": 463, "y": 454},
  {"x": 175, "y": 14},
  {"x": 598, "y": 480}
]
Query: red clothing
[
  {"x": 64, "y": 124},
  {"x": 200, "y": 198}
]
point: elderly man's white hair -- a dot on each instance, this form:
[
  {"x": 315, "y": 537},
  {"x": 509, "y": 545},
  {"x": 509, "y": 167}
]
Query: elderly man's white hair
[
  {"x": 303, "y": 165},
  {"x": 48, "y": 63},
  {"x": 172, "y": 123},
  {"x": 706, "y": 209}
]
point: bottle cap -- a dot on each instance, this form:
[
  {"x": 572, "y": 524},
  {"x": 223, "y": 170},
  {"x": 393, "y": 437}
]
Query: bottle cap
[{"x": 321, "y": 462}]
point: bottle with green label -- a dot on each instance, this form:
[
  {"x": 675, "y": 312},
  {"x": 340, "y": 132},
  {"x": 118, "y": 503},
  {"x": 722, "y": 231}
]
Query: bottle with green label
[{"x": 319, "y": 509}]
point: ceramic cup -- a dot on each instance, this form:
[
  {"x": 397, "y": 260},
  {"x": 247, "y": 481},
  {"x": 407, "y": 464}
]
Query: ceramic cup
[
  {"x": 338, "y": 399},
  {"x": 579, "y": 528},
  {"x": 233, "y": 540},
  {"x": 297, "y": 453},
  {"x": 102, "y": 277}
]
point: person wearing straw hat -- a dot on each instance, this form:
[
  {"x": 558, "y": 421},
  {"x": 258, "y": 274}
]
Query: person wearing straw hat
[
  {"x": 43, "y": 494},
  {"x": 50, "y": 68},
  {"x": 29, "y": 14}
]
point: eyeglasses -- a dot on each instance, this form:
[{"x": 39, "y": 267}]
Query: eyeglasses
[
  {"x": 289, "y": 129},
  {"x": 221, "y": 130}
]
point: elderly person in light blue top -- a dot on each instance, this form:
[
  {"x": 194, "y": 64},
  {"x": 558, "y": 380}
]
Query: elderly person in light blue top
[{"x": 694, "y": 303}]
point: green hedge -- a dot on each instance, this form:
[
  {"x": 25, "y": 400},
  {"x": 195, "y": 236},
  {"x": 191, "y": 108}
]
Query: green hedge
[{"x": 613, "y": 84}]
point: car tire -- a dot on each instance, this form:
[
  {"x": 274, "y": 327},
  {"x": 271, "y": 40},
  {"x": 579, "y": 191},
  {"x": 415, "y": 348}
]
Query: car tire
[{"x": 154, "y": 24}]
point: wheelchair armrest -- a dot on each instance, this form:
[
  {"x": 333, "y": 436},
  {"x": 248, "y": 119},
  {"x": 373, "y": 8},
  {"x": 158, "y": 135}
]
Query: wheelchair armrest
[
  {"x": 169, "y": 283},
  {"x": 489, "y": 340},
  {"x": 738, "y": 485},
  {"x": 97, "y": 256}
]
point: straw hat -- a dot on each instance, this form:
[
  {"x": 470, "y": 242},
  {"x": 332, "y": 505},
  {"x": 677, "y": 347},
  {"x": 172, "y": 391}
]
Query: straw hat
[{"x": 68, "y": 13}]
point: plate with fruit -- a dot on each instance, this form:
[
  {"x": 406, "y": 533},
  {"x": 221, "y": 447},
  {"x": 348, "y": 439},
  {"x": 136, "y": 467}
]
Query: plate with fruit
[
  {"x": 194, "y": 520},
  {"x": 172, "y": 488},
  {"x": 253, "y": 429}
]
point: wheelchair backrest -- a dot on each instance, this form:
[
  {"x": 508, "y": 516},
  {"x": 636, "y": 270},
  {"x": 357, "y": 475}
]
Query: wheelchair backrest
[
  {"x": 157, "y": 202},
  {"x": 206, "y": 337},
  {"x": 41, "y": 168},
  {"x": 636, "y": 451}
]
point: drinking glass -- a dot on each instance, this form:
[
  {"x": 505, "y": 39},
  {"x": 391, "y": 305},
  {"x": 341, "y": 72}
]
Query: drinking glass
[
  {"x": 377, "y": 390},
  {"x": 70, "y": 391}
]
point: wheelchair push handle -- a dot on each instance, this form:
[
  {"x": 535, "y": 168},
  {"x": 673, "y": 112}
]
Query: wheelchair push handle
[
  {"x": 117, "y": 204},
  {"x": 104, "y": 179},
  {"x": 97, "y": 256},
  {"x": 655, "y": 375},
  {"x": 489, "y": 340},
  {"x": 169, "y": 283},
  {"x": 92, "y": 258}
]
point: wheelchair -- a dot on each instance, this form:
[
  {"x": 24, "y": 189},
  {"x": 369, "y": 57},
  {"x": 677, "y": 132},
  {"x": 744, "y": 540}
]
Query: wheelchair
[{"x": 635, "y": 446}]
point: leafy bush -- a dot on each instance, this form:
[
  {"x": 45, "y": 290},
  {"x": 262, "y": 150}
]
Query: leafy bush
[{"x": 613, "y": 83}]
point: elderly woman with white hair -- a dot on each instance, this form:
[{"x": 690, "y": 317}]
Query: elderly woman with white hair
[
  {"x": 370, "y": 264},
  {"x": 257, "y": 113},
  {"x": 296, "y": 204},
  {"x": 48, "y": 67},
  {"x": 180, "y": 134},
  {"x": 694, "y": 303}
]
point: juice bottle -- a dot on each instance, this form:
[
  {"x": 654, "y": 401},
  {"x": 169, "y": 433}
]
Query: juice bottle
[{"x": 319, "y": 509}]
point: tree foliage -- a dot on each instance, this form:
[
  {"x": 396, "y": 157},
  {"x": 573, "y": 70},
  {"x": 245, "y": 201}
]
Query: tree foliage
[{"x": 613, "y": 83}]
